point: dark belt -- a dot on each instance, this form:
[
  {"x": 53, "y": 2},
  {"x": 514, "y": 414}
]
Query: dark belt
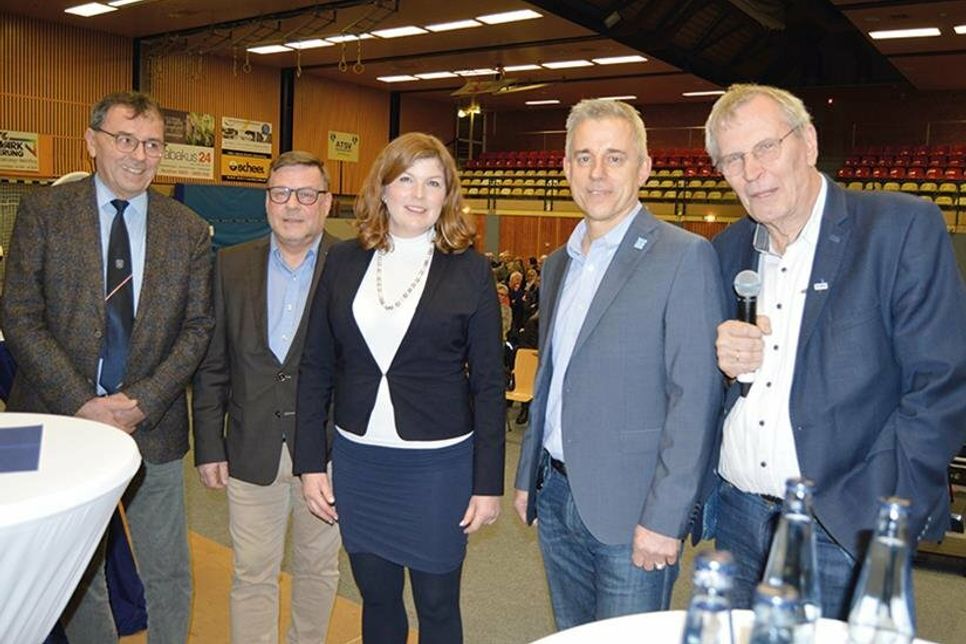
[
  {"x": 773, "y": 500},
  {"x": 560, "y": 466}
]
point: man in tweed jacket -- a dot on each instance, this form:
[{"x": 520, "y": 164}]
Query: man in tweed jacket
[{"x": 54, "y": 319}]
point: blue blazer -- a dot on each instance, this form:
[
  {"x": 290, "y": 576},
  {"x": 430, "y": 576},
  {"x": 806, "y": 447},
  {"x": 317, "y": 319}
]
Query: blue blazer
[
  {"x": 878, "y": 400},
  {"x": 641, "y": 392},
  {"x": 446, "y": 378}
]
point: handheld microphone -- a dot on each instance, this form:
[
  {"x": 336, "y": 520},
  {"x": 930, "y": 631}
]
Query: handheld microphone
[{"x": 747, "y": 287}]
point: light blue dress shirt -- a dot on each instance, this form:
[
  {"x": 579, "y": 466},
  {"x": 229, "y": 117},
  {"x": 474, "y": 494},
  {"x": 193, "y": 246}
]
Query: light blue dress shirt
[
  {"x": 580, "y": 285},
  {"x": 288, "y": 290},
  {"x": 136, "y": 220}
]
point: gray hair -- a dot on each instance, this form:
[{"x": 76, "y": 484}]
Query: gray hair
[
  {"x": 299, "y": 157},
  {"x": 604, "y": 108},
  {"x": 792, "y": 108},
  {"x": 139, "y": 102}
]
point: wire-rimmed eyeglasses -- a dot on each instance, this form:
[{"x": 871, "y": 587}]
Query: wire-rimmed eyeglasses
[
  {"x": 128, "y": 143},
  {"x": 305, "y": 196},
  {"x": 765, "y": 152}
]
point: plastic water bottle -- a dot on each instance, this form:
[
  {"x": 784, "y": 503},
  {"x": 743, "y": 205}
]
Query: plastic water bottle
[
  {"x": 709, "y": 614},
  {"x": 793, "y": 559},
  {"x": 881, "y": 612},
  {"x": 777, "y": 614}
]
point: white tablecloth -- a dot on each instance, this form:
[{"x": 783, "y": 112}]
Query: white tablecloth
[
  {"x": 667, "y": 627},
  {"x": 52, "y": 519}
]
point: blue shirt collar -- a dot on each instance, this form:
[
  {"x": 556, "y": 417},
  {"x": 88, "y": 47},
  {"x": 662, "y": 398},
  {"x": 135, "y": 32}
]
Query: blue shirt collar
[{"x": 104, "y": 197}]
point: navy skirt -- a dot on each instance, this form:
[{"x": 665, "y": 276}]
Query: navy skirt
[{"x": 403, "y": 505}]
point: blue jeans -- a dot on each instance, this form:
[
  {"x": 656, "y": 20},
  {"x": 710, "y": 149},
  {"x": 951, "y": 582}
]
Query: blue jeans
[
  {"x": 590, "y": 580},
  {"x": 746, "y": 525}
]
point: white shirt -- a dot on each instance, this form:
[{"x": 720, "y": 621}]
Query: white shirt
[
  {"x": 758, "y": 447},
  {"x": 384, "y": 330}
]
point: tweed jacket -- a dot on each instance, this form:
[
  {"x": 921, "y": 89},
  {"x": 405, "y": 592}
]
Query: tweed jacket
[{"x": 54, "y": 315}]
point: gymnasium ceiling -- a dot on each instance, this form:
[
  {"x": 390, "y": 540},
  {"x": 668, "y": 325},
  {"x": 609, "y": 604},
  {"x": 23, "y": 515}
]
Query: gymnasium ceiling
[{"x": 690, "y": 45}]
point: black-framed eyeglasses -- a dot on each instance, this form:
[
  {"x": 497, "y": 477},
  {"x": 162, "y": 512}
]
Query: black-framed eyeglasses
[
  {"x": 305, "y": 196},
  {"x": 127, "y": 143},
  {"x": 764, "y": 152}
]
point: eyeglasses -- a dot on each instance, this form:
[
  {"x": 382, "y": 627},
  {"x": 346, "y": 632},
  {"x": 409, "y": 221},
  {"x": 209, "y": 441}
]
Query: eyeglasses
[
  {"x": 764, "y": 152},
  {"x": 127, "y": 143},
  {"x": 305, "y": 196}
]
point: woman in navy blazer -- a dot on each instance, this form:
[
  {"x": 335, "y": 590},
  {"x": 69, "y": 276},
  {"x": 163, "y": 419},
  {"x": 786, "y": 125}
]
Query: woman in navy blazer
[{"x": 404, "y": 339}]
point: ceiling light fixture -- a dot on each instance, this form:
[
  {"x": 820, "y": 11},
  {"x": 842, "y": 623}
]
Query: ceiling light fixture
[
  {"x": 269, "y": 49},
  {"x": 341, "y": 38},
  {"x": 890, "y": 34},
  {"x": 123, "y": 3},
  {"x": 509, "y": 16},
  {"x": 521, "y": 68},
  {"x": 401, "y": 78},
  {"x": 457, "y": 24},
  {"x": 711, "y": 92},
  {"x": 629, "y": 97},
  {"x": 960, "y": 29},
  {"x": 435, "y": 75},
  {"x": 567, "y": 64},
  {"x": 551, "y": 101},
  {"x": 484, "y": 71},
  {"x": 89, "y": 9},
  {"x": 399, "y": 32},
  {"x": 312, "y": 43},
  {"x": 618, "y": 60}
]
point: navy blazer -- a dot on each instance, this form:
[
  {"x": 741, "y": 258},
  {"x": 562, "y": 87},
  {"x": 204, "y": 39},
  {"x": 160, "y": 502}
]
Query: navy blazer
[
  {"x": 445, "y": 380},
  {"x": 878, "y": 398}
]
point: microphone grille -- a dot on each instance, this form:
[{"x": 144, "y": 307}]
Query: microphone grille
[{"x": 747, "y": 284}]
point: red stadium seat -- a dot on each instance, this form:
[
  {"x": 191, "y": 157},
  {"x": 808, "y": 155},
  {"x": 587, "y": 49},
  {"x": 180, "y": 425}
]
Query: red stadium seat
[
  {"x": 915, "y": 172},
  {"x": 880, "y": 171},
  {"x": 862, "y": 172},
  {"x": 934, "y": 173},
  {"x": 955, "y": 173},
  {"x": 897, "y": 172},
  {"x": 845, "y": 172}
]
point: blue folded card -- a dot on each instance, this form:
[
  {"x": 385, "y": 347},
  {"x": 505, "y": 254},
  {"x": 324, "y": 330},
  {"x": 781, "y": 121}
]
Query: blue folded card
[{"x": 20, "y": 448}]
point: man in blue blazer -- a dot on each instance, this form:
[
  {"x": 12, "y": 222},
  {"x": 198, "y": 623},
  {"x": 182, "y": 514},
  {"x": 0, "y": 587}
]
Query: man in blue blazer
[
  {"x": 627, "y": 395},
  {"x": 858, "y": 358}
]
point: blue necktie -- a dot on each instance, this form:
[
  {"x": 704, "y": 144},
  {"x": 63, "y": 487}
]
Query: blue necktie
[{"x": 119, "y": 303}]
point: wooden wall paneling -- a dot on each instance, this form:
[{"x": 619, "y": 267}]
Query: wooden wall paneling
[
  {"x": 432, "y": 117},
  {"x": 479, "y": 240},
  {"x": 322, "y": 105},
  {"x": 215, "y": 86},
  {"x": 707, "y": 229},
  {"x": 51, "y": 75}
]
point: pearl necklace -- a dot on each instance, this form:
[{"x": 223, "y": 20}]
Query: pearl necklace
[{"x": 412, "y": 285}]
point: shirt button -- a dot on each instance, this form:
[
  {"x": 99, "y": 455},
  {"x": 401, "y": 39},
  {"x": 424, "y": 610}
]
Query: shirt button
[
  {"x": 775, "y": 347},
  {"x": 289, "y": 307},
  {"x": 761, "y": 423},
  {"x": 778, "y": 306},
  {"x": 784, "y": 269},
  {"x": 768, "y": 384},
  {"x": 764, "y": 464}
]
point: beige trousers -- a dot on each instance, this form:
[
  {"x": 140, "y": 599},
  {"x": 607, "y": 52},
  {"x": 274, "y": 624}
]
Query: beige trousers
[{"x": 258, "y": 518}]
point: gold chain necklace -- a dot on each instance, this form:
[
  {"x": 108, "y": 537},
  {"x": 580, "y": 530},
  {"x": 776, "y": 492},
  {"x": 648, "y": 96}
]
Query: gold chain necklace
[{"x": 412, "y": 285}]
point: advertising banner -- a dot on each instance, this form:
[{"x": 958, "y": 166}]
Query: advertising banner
[
  {"x": 343, "y": 146},
  {"x": 242, "y": 135},
  {"x": 244, "y": 167},
  {"x": 190, "y": 151},
  {"x": 19, "y": 151}
]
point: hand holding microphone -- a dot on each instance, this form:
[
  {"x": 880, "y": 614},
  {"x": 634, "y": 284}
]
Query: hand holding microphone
[{"x": 740, "y": 344}]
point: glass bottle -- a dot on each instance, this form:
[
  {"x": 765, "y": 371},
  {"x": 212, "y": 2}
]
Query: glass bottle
[
  {"x": 793, "y": 558},
  {"x": 708, "y": 620},
  {"x": 882, "y": 605},
  {"x": 777, "y": 614}
]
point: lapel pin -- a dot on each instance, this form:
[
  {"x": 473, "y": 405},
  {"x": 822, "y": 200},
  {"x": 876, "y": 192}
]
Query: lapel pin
[
  {"x": 640, "y": 243},
  {"x": 820, "y": 286}
]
